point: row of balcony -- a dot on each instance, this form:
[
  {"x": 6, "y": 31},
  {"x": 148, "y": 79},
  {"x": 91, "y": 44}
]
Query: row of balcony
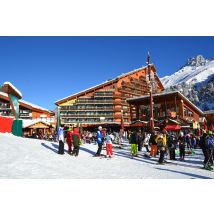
[
  {"x": 130, "y": 92},
  {"x": 143, "y": 88},
  {"x": 94, "y": 116},
  {"x": 103, "y": 102},
  {"x": 91, "y": 109}
]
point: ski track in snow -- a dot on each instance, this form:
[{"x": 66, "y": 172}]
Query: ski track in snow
[{"x": 29, "y": 158}]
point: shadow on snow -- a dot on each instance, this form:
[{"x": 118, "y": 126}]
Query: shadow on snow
[
  {"x": 185, "y": 173},
  {"x": 55, "y": 148},
  {"x": 87, "y": 150},
  {"x": 155, "y": 161},
  {"x": 50, "y": 148}
]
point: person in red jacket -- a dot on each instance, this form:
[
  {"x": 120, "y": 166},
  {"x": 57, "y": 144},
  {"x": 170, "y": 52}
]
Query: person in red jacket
[
  {"x": 75, "y": 136},
  {"x": 69, "y": 140}
]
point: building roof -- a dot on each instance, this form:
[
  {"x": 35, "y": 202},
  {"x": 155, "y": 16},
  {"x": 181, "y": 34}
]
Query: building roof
[
  {"x": 164, "y": 95},
  {"x": 102, "y": 84},
  {"x": 26, "y": 123},
  {"x": 34, "y": 106},
  {"x": 10, "y": 88},
  {"x": 30, "y": 105},
  {"x": 209, "y": 112},
  {"x": 3, "y": 94}
]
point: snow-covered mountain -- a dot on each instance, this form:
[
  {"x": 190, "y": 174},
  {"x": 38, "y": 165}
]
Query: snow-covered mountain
[{"x": 195, "y": 80}]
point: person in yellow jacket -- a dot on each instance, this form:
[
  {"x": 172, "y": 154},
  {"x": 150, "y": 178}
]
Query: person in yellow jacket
[{"x": 161, "y": 144}]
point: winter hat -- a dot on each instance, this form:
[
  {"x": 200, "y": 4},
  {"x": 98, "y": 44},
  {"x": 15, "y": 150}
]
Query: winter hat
[
  {"x": 210, "y": 132},
  {"x": 100, "y": 127}
]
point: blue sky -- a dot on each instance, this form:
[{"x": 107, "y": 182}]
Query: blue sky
[{"x": 46, "y": 69}]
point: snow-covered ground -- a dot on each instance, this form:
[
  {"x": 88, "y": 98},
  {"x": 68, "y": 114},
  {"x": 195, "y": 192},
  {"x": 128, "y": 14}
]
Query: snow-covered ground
[{"x": 30, "y": 158}]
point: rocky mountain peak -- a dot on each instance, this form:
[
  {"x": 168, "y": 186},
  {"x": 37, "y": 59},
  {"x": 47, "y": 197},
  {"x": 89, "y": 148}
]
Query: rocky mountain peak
[{"x": 199, "y": 60}]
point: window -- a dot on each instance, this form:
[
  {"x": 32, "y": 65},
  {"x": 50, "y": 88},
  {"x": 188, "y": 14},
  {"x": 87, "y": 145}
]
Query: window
[{"x": 188, "y": 113}]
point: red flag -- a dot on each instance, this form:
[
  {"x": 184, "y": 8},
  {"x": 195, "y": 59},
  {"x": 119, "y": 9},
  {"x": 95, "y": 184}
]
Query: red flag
[
  {"x": 205, "y": 126},
  {"x": 212, "y": 128}
]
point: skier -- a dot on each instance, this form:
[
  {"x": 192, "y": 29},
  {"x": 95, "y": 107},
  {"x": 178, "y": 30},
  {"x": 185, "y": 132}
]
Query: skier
[
  {"x": 108, "y": 145},
  {"x": 153, "y": 144},
  {"x": 207, "y": 146},
  {"x": 69, "y": 140},
  {"x": 99, "y": 141},
  {"x": 161, "y": 147},
  {"x": 75, "y": 136},
  {"x": 188, "y": 141},
  {"x": 134, "y": 139},
  {"x": 140, "y": 140},
  {"x": 60, "y": 139},
  {"x": 181, "y": 143},
  {"x": 210, "y": 141},
  {"x": 146, "y": 141},
  {"x": 171, "y": 143}
]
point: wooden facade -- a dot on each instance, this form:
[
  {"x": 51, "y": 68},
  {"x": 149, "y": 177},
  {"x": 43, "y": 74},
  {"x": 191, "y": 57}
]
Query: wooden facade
[
  {"x": 106, "y": 103},
  {"x": 29, "y": 113},
  {"x": 171, "y": 105},
  {"x": 209, "y": 115},
  {"x": 26, "y": 110},
  {"x": 40, "y": 129}
]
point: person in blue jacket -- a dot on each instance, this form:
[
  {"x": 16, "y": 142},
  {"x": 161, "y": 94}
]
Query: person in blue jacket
[
  {"x": 60, "y": 139},
  {"x": 99, "y": 141}
]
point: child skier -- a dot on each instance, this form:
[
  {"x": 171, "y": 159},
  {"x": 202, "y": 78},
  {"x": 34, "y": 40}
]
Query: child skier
[
  {"x": 108, "y": 145},
  {"x": 153, "y": 143}
]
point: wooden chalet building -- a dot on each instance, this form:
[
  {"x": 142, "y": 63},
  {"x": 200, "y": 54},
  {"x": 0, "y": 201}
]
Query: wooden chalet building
[
  {"x": 209, "y": 115},
  {"x": 105, "y": 104},
  {"x": 35, "y": 118},
  {"x": 26, "y": 110},
  {"x": 171, "y": 108}
]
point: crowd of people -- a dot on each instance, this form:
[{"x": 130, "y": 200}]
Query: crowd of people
[
  {"x": 156, "y": 143},
  {"x": 167, "y": 143}
]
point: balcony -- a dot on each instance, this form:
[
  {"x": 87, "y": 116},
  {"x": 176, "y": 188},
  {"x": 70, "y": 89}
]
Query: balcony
[
  {"x": 94, "y": 101},
  {"x": 129, "y": 91},
  {"x": 88, "y": 109},
  {"x": 86, "y": 116},
  {"x": 104, "y": 95},
  {"x": 5, "y": 108},
  {"x": 118, "y": 108}
]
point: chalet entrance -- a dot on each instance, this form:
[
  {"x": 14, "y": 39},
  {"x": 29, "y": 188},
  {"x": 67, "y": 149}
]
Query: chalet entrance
[{"x": 36, "y": 129}]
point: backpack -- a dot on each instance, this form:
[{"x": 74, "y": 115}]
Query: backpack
[
  {"x": 160, "y": 142},
  {"x": 210, "y": 142},
  {"x": 75, "y": 139}
]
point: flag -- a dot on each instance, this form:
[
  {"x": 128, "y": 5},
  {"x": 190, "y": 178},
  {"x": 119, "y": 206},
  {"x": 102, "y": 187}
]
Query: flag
[
  {"x": 212, "y": 128},
  {"x": 205, "y": 126}
]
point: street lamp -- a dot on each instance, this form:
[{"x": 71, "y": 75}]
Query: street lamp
[{"x": 150, "y": 80}]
